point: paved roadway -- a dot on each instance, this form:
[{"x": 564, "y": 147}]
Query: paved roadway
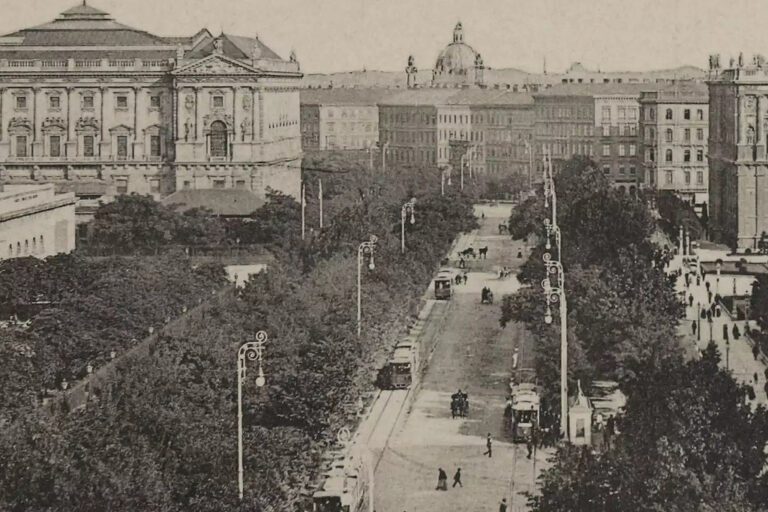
[{"x": 474, "y": 354}]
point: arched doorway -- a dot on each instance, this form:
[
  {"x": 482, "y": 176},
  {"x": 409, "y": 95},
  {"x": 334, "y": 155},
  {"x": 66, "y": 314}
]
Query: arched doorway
[
  {"x": 622, "y": 190},
  {"x": 632, "y": 191},
  {"x": 218, "y": 139}
]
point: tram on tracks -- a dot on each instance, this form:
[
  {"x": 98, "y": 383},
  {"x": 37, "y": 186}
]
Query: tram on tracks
[
  {"x": 444, "y": 283},
  {"x": 346, "y": 481}
]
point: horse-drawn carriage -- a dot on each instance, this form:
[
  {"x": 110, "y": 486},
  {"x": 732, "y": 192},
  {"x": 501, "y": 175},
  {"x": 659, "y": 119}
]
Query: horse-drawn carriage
[
  {"x": 459, "y": 404},
  {"x": 486, "y": 296}
]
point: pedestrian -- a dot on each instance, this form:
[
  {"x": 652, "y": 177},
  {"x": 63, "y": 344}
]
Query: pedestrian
[
  {"x": 698, "y": 281},
  {"x": 709, "y": 297},
  {"x": 766, "y": 374},
  {"x": 503, "y": 505},
  {"x": 755, "y": 351},
  {"x": 519, "y": 254},
  {"x": 465, "y": 277},
  {"x": 457, "y": 478},
  {"x": 693, "y": 327},
  {"x": 442, "y": 480},
  {"x": 690, "y": 300},
  {"x": 755, "y": 377},
  {"x": 529, "y": 445},
  {"x": 736, "y": 332},
  {"x": 461, "y": 262},
  {"x": 706, "y": 284},
  {"x": 488, "y": 445}
]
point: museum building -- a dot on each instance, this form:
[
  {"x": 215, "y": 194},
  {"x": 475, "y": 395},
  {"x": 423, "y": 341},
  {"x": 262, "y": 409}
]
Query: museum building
[{"x": 100, "y": 108}]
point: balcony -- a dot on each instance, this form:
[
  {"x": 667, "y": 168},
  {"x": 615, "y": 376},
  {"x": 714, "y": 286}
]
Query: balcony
[{"x": 79, "y": 65}]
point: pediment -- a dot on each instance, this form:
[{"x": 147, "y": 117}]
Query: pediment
[{"x": 216, "y": 65}]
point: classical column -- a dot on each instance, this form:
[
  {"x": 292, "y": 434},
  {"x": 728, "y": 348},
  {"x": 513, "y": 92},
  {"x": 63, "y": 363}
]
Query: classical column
[
  {"x": 253, "y": 113},
  {"x": 71, "y": 145},
  {"x": 261, "y": 114},
  {"x": 759, "y": 119},
  {"x": 197, "y": 113},
  {"x": 740, "y": 117},
  {"x": 136, "y": 139},
  {"x": 234, "y": 113},
  {"x": 37, "y": 146},
  {"x": 102, "y": 108},
  {"x": 2, "y": 131},
  {"x": 175, "y": 115}
]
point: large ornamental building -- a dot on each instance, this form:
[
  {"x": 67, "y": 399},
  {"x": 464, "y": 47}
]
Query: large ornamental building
[
  {"x": 458, "y": 64},
  {"x": 100, "y": 108}
]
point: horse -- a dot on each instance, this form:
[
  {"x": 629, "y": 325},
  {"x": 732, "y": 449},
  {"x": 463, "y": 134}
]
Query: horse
[
  {"x": 483, "y": 252},
  {"x": 468, "y": 252}
]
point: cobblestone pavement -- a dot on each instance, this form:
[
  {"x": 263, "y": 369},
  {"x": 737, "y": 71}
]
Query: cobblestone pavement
[{"x": 473, "y": 354}]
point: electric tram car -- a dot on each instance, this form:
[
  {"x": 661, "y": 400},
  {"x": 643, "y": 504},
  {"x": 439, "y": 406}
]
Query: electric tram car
[
  {"x": 347, "y": 484},
  {"x": 401, "y": 367},
  {"x": 444, "y": 283}
]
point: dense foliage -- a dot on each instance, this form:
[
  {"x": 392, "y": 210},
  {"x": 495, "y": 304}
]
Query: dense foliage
[
  {"x": 164, "y": 436},
  {"x": 89, "y": 309},
  {"x": 687, "y": 442},
  {"x": 675, "y": 212}
]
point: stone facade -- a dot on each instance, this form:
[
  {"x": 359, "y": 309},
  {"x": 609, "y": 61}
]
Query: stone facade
[
  {"x": 738, "y": 161},
  {"x": 616, "y": 128},
  {"x": 675, "y": 126},
  {"x": 134, "y": 112},
  {"x": 35, "y": 221}
]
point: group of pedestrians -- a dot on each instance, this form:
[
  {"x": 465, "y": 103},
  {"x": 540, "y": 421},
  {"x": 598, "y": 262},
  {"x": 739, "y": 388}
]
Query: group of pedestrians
[
  {"x": 460, "y": 277},
  {"x": 442, "y": 479}
]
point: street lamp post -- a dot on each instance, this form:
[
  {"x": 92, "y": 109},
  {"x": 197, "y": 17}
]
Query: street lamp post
[
  {"x": 249, "y": 351},
  {"x": 404, "y": 211},
  {"x": 384, "y": 157},
  {"x": 320, "y": 193},
  {"x": 365, "y": 249},
  {"x": 556, "y": 294},
  {"x": 462, "y": 165},
  {"x": 303, "y": 207},
  {"x": 698, "y": 321}
]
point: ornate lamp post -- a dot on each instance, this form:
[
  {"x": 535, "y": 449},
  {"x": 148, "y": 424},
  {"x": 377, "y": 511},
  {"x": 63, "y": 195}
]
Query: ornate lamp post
[
  {"x": 384, "y": 157},
  {"x": 364, "y": 250},
  {"x": 250, "y": 351},
  {"x": 555, "y": 294},
  {"x": 407, "y": 208}
]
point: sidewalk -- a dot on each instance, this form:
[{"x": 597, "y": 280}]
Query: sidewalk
[{"x": 736, "y": 354}]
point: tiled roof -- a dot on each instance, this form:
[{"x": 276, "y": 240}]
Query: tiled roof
[
  {"x": 477, "y": 97},
  {"x": 116, "y": 54},
  {"x": 225, "y": 202},
  {"x": 689, "y": 90},
  {"x": 598, "y": 89},
  {"x": 235, "y": 47},
  {"x": 115, "y": 35},
  {"x": 419, "y": 97},
  {"x": 362, "y": 96}
]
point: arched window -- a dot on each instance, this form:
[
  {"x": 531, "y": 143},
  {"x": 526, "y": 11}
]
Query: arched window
[
  {"x": 669, "y": 155},
  {"x": 669, "y": 113},
  {"x": 218, "y": 139}
]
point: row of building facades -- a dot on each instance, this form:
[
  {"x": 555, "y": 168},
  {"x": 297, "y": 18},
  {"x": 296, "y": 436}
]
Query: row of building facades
[{"x": 97, "y": 108}]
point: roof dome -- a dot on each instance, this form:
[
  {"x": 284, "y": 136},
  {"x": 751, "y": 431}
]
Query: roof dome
[{"x": 458, "y": 56}]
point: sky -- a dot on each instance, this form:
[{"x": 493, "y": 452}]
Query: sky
[{"x": 344, "y": 35}]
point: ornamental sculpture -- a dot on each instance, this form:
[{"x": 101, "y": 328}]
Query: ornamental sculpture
[
  {"x": 189, "y": 102},
  {"x": 87, "y": 123}
]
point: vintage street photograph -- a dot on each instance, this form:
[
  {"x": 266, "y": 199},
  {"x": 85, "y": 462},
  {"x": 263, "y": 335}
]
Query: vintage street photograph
[{"x": 383, "y": 256}]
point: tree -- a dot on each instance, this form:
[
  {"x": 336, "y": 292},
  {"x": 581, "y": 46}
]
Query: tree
[{"x": 687, "y": 442}]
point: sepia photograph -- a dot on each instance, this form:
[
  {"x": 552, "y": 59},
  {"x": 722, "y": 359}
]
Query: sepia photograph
[{"x": 383, "y": 256}]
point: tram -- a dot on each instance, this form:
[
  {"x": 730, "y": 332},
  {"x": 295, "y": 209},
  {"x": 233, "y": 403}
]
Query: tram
[
  {"x": 444, "y": 283},
  {"x": 347, "y": 484}
]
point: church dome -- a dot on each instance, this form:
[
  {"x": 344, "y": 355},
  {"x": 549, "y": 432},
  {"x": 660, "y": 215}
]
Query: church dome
[{"x": 458, "y": 57}]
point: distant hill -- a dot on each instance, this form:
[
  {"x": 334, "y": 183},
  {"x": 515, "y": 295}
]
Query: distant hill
[{"x": 502, "y": 76}]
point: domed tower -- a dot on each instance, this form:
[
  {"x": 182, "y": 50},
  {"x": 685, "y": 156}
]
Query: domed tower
[{"x": 458, "y": 64}]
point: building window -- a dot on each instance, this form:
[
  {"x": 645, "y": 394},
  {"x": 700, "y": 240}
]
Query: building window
[
  {"x": 122, "y": 146},
  {"x": 668, "y": 156},
  {"x": 606, "y": 113},
  {"x": 622, "y": 150},
  {"x": 700, "y": 115},
  {"x": 154, "y": 101},
  {"x": 653, "y": 133},
  {"x": 687, "y": 155},
  {"x": 651, "y": 113},
  {"x": 121, "y": 185},
  {"x": 218, "y": 183},
  {"x": 154, "y": 186},
  {"x": 121, "y": 101},
  {"x": 606, "y": 150},
  {"x": 240, "y": 184},
  {"x": 687, "y": 175},
  {"x": 687, "y": 135},
  {"x": 622, "y": 170},
  {"x": 187, "y": 185},
  {"x": 21, "y": 145},
  {"x": 699, "y": 133},
  {"x": 606, "y": 130},
  {"x": 699, "y": 177},
  {"x": 651, "y": 155},
  {"x": 54, "y": 102},
  {"x": 218, "y": 102},
  {"x": 669, "y": 135},
  {"x": 622, "y": 113},
  {"x": 88, "y": 145},
  {"x": 699, "y": 155},
  {"x": 21, "y": 102},
  {"x": 55, "y": 143},
  {"x": 632, "y": 170},
  {"x": 88, "y": 101},
  {"x": 687, "y": 114},
  {"x": 668, "y": 115},
  {"x": 632, "y": 150},
  {"x": 606, "y": 169},
  {"x": 669, "y": 177},
  {"x": 154, "y": 145}
]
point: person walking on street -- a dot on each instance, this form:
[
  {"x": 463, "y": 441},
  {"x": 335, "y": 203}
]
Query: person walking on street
[
  {"x": 503, "y": 505},
  {"x": 755, "y": 351},
  {"x": 693, "y": 327},
  {"x": 529, "y": 445},
  {"x": 488, "y": 446},
  {"x": 457, "y": 478},
  {"x": 465, "y": 277},
  {"x": 755, "y": 377},
  {"x": 690, "y": 300},
  {"x": 442, "y": 480}
]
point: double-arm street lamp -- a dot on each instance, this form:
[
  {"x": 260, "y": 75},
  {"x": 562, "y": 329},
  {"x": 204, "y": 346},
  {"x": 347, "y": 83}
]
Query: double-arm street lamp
[
  {"x": 250, "y": 351},
  {"x": 555, "y": 293},
  {"x": 471, "y": 148},
  {"x": 364, "y": 250},
  {"x": 404, "y": 211}
]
